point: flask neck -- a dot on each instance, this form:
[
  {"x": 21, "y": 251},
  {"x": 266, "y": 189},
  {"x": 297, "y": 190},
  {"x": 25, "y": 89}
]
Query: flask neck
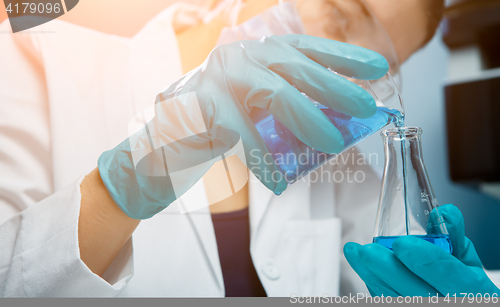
[{"x": 402, "y": 145}]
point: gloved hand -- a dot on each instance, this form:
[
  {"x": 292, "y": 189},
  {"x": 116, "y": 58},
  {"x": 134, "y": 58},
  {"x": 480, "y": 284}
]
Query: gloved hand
[
  {"x": 211, "y": 110},
  {"x": 416, "y": 267}
]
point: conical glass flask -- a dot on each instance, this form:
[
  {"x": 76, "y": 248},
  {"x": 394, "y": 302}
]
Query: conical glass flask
[{"x": 407, "y": 204}]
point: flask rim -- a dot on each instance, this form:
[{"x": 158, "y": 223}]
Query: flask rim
[{"x": 401, "y": 132}]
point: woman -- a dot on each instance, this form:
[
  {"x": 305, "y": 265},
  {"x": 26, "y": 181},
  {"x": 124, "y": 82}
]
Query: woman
[{"x": 68, "y": 94}]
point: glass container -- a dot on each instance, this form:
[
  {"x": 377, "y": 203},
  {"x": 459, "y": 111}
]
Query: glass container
[{"x": 407, "y": 204}]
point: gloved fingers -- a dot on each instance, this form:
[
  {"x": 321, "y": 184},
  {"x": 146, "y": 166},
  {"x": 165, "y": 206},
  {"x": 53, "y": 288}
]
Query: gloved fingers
[
  {"x": 441, "y": 270},
  {"x": 469, "y": 255},
  {"x": 382, "y": 262},
  {"x": 346, "y": 59},
  {"x": 463, "y": 248},
  {"x": 321, "y": 84},
  {"x": 304, "y": 120},
  {"x": 454, "y": 222},
  {"x": 435, "y": 223},
  {"x": 375, "y": 285}
]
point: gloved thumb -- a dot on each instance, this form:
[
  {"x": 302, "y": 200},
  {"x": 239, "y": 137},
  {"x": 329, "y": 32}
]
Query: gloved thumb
[
  {"x": 374, "y": 284},
  {"x": 463, "y": 249}
]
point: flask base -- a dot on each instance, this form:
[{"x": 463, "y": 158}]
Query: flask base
[{"x": 442, "y": 241}]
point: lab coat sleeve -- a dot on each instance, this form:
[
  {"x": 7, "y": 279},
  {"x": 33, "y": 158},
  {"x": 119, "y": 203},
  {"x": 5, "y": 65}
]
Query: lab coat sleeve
[{"x": 39, "y": 254}]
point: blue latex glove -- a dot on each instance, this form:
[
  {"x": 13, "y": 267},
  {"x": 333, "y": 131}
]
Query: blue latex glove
[
  {"x": 419, "y": 268},
  {"x": 237, "y": 80}
]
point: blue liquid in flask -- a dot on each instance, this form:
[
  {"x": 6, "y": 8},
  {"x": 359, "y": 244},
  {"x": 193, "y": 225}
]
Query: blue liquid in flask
[
  {"x": 295, "y": 159},
  {"x": 442, "y": 241}
]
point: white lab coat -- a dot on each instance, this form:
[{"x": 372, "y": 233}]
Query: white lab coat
[{"x": 66, "y": 95}]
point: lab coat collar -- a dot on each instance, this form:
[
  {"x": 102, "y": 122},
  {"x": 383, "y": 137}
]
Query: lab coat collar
[
  {"x": 260, "y": 198},
  {"x": 201, "y": 221}
]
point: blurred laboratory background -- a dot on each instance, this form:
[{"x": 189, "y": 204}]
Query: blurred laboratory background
[{"x": 451, "y": 89}]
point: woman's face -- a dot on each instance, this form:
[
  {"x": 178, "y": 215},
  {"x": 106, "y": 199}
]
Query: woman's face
[{"x": 347, "y": 21}]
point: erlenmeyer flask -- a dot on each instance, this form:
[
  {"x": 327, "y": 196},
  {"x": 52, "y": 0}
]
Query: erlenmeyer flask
[{"x": 407, "y": 204}]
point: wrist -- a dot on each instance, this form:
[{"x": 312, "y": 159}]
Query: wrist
[
  {"x": 97, "y": 198},
  {"x": 103, "y": 228}
]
